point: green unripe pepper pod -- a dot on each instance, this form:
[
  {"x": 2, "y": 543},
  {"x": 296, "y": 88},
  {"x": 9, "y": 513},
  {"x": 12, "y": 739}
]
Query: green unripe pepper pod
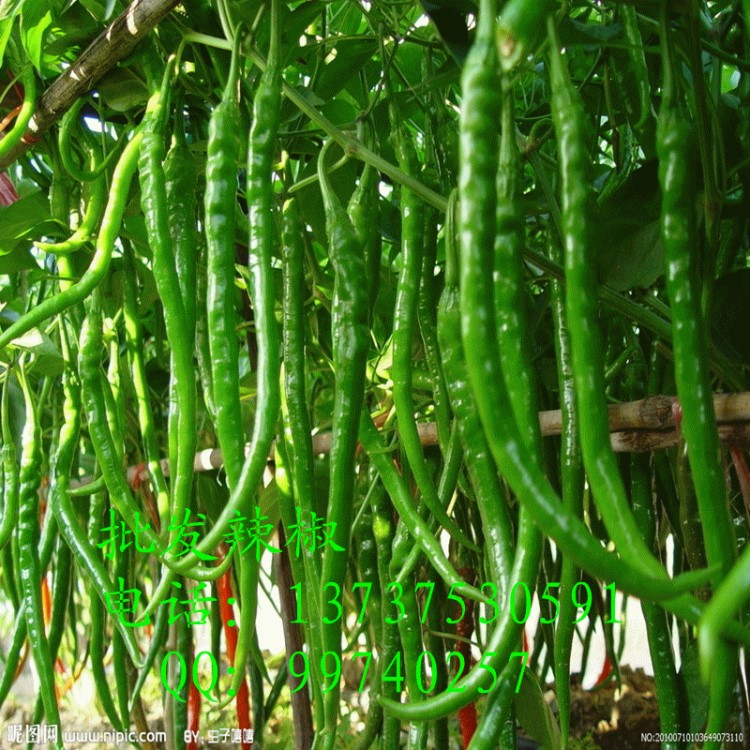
[
  {"x": 10, "y": 469},
  {"x": 222, "y": 155},
  {"x": 582, "y": 313},
  {"x": 572, "y": 480},
  {"x": 404, "y": 326},
  {"x": 513, "y": 332},
  {"x": 156, "y": 211},
  {"x": 12, "y": 138},
  {"x": 27, "y": 529},
  {"x": 260, "y": 196},
  {"x": 297, "y": 424},
  {"x": 679, "y": 237},
  {"x": 496, "y": 523},
  {"x": 350, "y": 333}
]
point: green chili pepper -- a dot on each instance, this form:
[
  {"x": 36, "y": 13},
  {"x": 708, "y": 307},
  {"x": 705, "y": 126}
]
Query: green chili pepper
[
  {"x": 181, "y": 417},
  {"x": 220, "y": 198},
  {"x": 426, "y": 306},
  {"x": 12, "y": 138},
  {"x": 349, "y": 331},
  {"x": 678, "y": 233},
  {"x": 297, "y": 424},
  {"x": 404, "y": 324},
  {"x": 384, "y": 531},
  {"x": 513, "y": 333},
  {"x": 571, "y": 470},
  {"x": 134, "y": 342},
  {"x": 582, "y": 315},
  {"x": 27, "y": 529},
  {"x": 181, "y": 185},
  {"x": 261, "y": 149},
  {"x": 67, "y": 126},
  {"x": 364, "y": 214},
  {"x": 10, "y": 470},
  {"x": 496, "y": 523}
]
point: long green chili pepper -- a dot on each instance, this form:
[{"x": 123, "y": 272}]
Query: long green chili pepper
[
  {"x": 496, "y": 523},
  {"x": 68, "y": 523},
  {"x": 181, "y": 184},
  {"x": 510, "y": 319},
  {"x": 10, "y": 469},
  {"x": 363, "y": 212},
  {"x": 679, "y": 237},
  {"x": 297, "y": 424},
  {"x": 18, "y": 632},
  {"x": 99, "y": 266},
  {"x": 426, "y": 306},
  {"x": 384, "y": 531},
  {"x": 410, "y": 632},
  {"x": 572, "y": 480},
  {"x": 12, "y": 138},
  {"x": 220, "y": 198},
  {"x": 349, "y": 331},
  {"x": 261, "y": 150},
  {"x": 582, "y": 314},
  {"x": 122, "y": 570},
  {"x": 97, "y": 644},
  {"x": 134, "y": 343},
  {"x": 404, "y": 325},
  {"x": 641, "y": 109},
  {"x": 182, "y": 398},
  {"x": 67, "y": 126},
  {"x": 27, "y": 529}
]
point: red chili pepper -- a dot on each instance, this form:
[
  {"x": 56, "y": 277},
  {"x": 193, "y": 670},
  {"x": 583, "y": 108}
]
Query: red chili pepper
[
  {"x": 193, "y": 716},
  {"x": 606, "y": 671}
]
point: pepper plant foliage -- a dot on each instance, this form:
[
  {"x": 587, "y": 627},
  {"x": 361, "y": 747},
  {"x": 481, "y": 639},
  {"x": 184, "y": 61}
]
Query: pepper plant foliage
[{"x": 405, "y": 227}]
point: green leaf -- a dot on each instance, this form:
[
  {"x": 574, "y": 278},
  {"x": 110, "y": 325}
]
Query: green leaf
[
  {"x": 17, "y": 260},
  {"x": 730, "y": 305},
  {"x": 345, "y": 60},
  {"x": 8, "y": 12},
  {"x": 696, "y": 695},
  {"x": 121, "y": 90},
  {"x": 48, "y": 360},
  {"x": 626, "y": 237},
  {"x": 574, "y": 32},
  {"x": 36, "y": 18},
  {"x": 18, "y": 219},
  {"x": 535, "y": 715}
]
